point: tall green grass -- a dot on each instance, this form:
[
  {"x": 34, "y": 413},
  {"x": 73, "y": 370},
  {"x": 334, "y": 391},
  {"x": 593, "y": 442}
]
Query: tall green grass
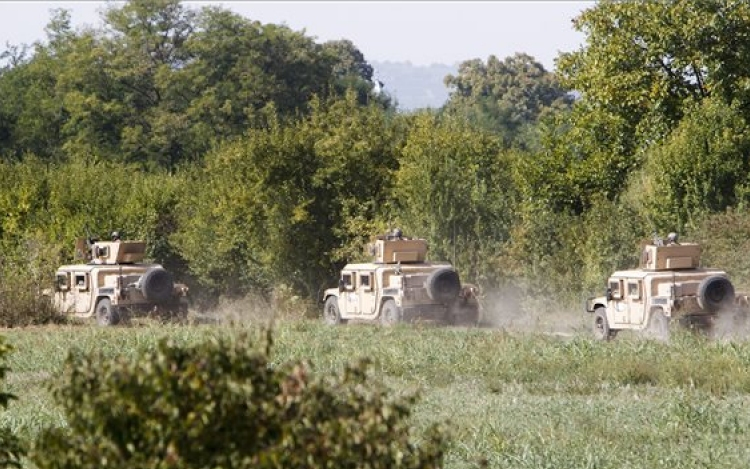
[{"x": 507, "y": 400}]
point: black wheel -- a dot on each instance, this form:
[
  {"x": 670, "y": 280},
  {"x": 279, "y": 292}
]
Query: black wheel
[
  {"x": 601, "y": 325},
  {"x": 106, "y": 315},
  {"x": 390, "y": 314},
  {"x": 658, "y": 326},
  {"x": 443, "y": 285},
  {"x": 157, "y": 285},
  {"x": 331, "y": 312},
  {"x": 715, "y": 293}
]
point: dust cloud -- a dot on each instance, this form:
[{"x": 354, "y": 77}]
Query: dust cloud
[
  {"x": 731, "y": 325},
  {"x": 513, "y": 310},
  {"x": 251, "y": 309},
  {"x": 510, "y": 309}
]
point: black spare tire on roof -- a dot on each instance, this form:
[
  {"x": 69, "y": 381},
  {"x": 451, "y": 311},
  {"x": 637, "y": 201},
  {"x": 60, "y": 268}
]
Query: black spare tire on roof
[
  {"x": 157, "y": 284},
  {"x": 443, "y": 285},
  {"x": 715, "y": 292}
]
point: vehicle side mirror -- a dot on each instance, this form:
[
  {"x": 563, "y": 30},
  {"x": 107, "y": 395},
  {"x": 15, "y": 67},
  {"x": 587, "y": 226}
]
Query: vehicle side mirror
[
  {"x": 342, "y": 285},
  {"x": 609, "y": 294}
]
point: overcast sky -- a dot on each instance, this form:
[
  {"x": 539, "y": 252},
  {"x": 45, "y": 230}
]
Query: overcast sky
[{"x": 419, "y": 32}]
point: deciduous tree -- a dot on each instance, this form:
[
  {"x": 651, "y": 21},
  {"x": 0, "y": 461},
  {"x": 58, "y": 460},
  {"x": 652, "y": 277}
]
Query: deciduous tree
[
  {"x": 701, "y": 168},
  {"x": 647, "y": 61},
  {"x": 454, "y": 187},
  {"x": 506, "y": 95},
  {"x": 282, "y": 204}
]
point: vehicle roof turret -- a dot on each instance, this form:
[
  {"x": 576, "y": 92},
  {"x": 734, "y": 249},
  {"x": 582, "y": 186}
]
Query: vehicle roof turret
[
  {"x": 670, "y": 255},
  {"x": 111, "y": 252},
  {"x": 394, "y": 248}
]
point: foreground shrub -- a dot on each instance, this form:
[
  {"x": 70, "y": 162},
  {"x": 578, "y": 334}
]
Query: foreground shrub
[
  {"x": 221, "y": 404},
  {"x": 11, "y": 449}
]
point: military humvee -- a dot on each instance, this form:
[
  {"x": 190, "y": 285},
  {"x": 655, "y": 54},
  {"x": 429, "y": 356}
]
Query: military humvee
[
  {"x": 400, "y": 285},
  {"x": 669, "y": 287},
  {"x": 114, "y": 284}
]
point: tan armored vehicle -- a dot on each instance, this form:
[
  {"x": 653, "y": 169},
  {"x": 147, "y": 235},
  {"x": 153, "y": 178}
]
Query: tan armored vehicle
[
  {"x": 669, "y": 287},
  {"x": 400, "y": 285},
  {"x": 114, "y": 284}
]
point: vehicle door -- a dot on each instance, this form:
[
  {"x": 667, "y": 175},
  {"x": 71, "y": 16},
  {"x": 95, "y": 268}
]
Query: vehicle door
[
  {"x": 65, "y": 296},
  {"x": 82, "y": 292},
  {"x": 366, "y": 291},
  {"x": 618, "y": 304},
  {"x": 348, "y": 296},
  {"x": 636, "y": 303}
]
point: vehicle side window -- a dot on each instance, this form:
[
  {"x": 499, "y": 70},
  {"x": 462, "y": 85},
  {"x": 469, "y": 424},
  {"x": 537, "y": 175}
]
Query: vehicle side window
[
  {"x": 61, "y": 282},
  {"x": 347, "y": 281},
  {"x": 364, "y": 281},
  {"x": 634, "y": 290},
  {"x": 614, "y": 288},
  {"x": 82, "y": 282}
]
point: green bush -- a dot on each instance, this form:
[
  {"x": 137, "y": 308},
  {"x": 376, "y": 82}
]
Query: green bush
[
  {"x": 725, "y": 237},
  {"x": 223, "y": 404},
  {"x": 11, "y": 448},
  {"x": 26, "y": 270},
  {"x": 700, "y": 169}
]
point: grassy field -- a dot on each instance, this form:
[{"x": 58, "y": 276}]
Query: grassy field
[{"x": 512, "y": 400}]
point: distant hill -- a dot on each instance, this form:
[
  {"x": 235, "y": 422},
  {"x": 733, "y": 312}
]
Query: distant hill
[{"x": 414, "y": 86}]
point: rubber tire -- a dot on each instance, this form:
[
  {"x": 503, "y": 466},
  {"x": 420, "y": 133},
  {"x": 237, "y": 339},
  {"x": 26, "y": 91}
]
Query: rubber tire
[
  {"x": 331, "y": 311},
  {"x": 157, "y": 285},
  {"x": 106, "y": 315},
  {"x": 390, "y": 314},
  {"x": 601, "y": 327},
  {"x": 658, "y": 326},
  {"x": 715, "y": 293},
  {"x": 443, "y": 285}
]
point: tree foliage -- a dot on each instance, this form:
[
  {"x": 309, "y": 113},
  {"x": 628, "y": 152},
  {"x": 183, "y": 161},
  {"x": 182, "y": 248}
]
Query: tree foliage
[
  {"x": 31, "y": 111},
  {"x": 352, "y": 72},
  {"x": 454, "y": 187},
  {"x": 278, "y": 205},
  {"x": 644, "y": 61},
  {"x": 251, "y": 157},
  {"x": 222, "y": 404},
  {"x": 725, "y": 237},
  {"x": 655, "y": 140},
  {"x": 584, "y": 155},
  {"x": 505, "y": 96},
  {"x": 48, "y": 207},
  {"x": 700, "y": 169},
  {"x": 159, "y": 83}
]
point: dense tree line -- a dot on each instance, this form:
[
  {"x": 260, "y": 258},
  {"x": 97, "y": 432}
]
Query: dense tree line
[
  {"x": 249, "y": 156},
  {"x": 159, "y": 83}
]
